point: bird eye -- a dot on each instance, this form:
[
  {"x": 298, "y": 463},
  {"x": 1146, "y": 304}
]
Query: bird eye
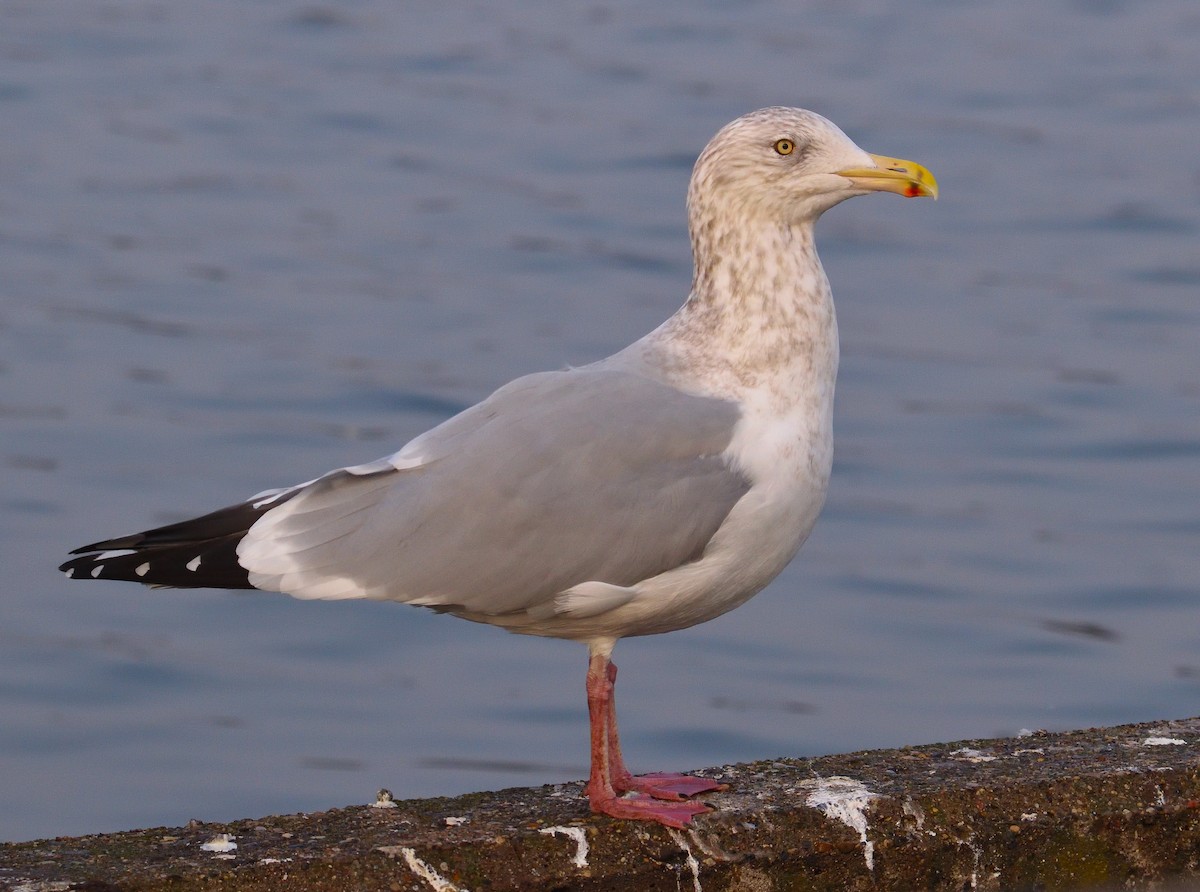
[{"x": 784, "y": 146}]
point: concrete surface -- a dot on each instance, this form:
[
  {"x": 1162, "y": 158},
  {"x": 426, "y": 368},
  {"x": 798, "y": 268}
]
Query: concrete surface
[{"x": 1103, "y": 808}]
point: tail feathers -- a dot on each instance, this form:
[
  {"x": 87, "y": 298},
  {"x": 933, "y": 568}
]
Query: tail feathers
[{"x": 197, "y": 553}]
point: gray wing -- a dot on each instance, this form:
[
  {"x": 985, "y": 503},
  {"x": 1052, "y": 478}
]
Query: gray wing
[{"x": 557, "y": 479}]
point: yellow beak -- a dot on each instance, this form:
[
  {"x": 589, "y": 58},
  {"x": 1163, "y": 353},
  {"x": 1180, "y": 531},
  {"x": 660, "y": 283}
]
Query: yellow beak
[{"x": 905, "y": 178}]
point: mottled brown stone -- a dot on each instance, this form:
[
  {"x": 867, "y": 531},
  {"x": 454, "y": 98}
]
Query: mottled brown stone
[{"x": 1100, "y": 808}]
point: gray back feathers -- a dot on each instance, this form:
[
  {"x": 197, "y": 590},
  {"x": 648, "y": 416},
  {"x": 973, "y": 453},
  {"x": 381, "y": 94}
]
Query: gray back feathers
[{"x": 556, "y": 479}]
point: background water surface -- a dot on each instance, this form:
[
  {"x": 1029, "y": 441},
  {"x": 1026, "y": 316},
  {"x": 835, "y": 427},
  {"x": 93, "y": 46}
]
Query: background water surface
[{"x": 243, "y": 243}]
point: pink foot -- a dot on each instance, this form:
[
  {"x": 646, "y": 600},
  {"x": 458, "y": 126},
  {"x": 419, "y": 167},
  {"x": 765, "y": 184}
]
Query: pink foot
[
  {"x": 650, "y": 797},
  {"x": 671, "y": 787},
  {"x": 644, "y": 808}
]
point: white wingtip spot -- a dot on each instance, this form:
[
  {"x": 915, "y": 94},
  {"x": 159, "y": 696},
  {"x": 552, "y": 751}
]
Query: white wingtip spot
[
  {"x": 69, "y": 573},
  {"x": 115, "y": 553},
  {"x": 142, "y": 569},
  {"x": 193, "y": 564},
  {"x": 96, "y": 571}
]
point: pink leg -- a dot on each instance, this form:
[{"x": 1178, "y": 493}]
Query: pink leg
[
  {"x": 609, "y": 776},
  {"x": 660, "y": 785}
]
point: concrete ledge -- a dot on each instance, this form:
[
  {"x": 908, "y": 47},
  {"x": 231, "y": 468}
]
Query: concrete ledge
[{"x": 1116, "y": 807}]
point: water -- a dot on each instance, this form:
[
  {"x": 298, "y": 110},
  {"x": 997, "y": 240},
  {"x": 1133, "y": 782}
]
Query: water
[{"x": 245, "y": 243}]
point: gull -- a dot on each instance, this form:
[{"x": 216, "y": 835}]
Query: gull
[{"x": 650, "y": 491}]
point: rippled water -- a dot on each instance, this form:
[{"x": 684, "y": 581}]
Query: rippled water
[{"x": 244, "y": 243}]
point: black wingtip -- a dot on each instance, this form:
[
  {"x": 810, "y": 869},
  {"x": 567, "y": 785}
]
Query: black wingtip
[
  {"x": 209, "y": 564},
  {"x": 196, "y": 553},
  {"x": 104, "y": 564},
  {"x": 109, "y": 545}
]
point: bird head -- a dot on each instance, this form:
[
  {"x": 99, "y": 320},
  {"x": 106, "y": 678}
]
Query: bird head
[{"x": 791, "y": 165}]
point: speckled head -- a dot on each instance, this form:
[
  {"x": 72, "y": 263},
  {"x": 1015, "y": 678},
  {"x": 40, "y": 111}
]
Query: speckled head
[{"x": 790, "y": 165}]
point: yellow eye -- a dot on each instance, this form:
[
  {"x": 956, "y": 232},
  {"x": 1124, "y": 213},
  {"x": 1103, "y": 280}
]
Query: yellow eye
[{"x": 784, "y": 146}]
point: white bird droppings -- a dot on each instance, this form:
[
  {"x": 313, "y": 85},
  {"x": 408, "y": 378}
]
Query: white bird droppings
[
  {"x": 456, "y": 822},
  {"x": 692, "y": 864},
  {"x": 436, "y": 881},
  {"x": 969, "y": 755},
  {"x": 581, "y": 844},
  {"x": 1163, "y": 741},
  {"x": 846, "y": 800},
  {"x": 914, "y": 811}
]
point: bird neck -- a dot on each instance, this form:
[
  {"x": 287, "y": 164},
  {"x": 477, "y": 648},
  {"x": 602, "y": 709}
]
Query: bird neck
[
  {"x": 760, "y": 310},
  {"x": 756, "y": 265}
]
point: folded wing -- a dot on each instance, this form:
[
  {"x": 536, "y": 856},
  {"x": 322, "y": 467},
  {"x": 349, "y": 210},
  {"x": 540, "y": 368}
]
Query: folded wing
[{"x": 557, "y": 479}]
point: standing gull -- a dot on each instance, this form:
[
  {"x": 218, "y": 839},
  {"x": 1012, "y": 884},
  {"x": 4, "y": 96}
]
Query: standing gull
[{"x": 647, "y": 492}]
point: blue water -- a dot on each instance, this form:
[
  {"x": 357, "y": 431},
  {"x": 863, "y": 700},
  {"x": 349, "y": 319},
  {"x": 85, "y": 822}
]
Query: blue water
[{"x": 241, "y": 244}]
